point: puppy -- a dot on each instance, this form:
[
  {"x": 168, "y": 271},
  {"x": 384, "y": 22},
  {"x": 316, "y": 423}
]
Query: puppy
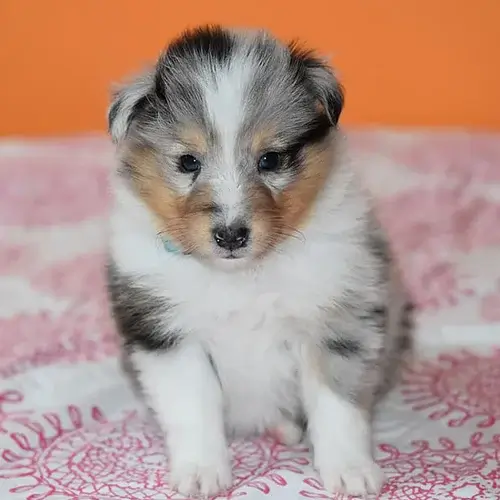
[{"x": 248, "y": 278}]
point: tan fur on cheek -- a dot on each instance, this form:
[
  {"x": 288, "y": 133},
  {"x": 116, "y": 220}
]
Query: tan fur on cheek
[
  {"x": 184, "y": 219},
  {"x": 296, "y": 201},
  {"x": 197, "y": 211},
  {"x": 150, "y": 186},
  {"x": 265, "y": 219},
  {"x": 277, "y": 217}
]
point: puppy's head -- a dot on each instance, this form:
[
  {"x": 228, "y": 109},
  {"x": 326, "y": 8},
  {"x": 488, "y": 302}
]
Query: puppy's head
[{"x": 228, "y": 140}]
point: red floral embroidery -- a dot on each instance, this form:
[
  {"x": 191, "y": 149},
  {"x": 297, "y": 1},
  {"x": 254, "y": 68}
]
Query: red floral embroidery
[
  {"x": 83, "y": 455},
  {"x": 429, "y": 472},
  {"x": 456, "y": 388}
]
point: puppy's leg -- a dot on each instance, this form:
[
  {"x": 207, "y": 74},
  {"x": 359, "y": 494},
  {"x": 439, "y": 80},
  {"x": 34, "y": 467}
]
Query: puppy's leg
[
  {"x": 339, "y": 378},
  {"x": 179, "y": 382},
  {"x": 184, "y": 392}
]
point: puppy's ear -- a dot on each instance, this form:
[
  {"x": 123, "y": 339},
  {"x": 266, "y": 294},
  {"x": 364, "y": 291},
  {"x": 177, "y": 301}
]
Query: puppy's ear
[
  {"x": 318, "y": 76},
  {"x": 327, "y": 89},
  {"x": 128, "y": 101}
]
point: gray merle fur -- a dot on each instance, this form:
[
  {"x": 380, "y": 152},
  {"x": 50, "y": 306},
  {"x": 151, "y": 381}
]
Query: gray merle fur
[
  {"x": 357, "y": 332},
  {"x": 343, "y": 347},
  {"x": 139, "y": 314}
]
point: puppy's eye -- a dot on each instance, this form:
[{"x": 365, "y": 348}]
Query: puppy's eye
[
  {"x": 269, "y": 162},
  {"x": 188, "y": 164}
]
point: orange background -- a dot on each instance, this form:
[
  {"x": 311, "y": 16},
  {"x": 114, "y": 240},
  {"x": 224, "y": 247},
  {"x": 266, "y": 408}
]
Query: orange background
[{"x": 403, "y": 62}]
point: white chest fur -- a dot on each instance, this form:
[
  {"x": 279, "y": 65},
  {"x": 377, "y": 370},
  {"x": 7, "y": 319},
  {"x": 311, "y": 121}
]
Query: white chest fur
[{"x": 252, "y": 326}]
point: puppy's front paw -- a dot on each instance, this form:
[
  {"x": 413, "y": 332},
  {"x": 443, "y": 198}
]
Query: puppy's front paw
[
  {"x": 200, "y": 477},
  {"x": 351, "y": 475}
]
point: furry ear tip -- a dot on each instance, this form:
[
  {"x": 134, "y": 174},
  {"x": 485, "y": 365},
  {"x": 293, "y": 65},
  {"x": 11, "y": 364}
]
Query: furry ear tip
[
  {"x": 126, "y": 101},
  {"x": 321, "y": 78}
]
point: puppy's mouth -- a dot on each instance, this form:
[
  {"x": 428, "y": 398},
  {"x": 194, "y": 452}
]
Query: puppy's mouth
[
  {"x": 232, "y": 259},
  {"x": 231, "y": 262},
  {"x": 233, "y": 256}
]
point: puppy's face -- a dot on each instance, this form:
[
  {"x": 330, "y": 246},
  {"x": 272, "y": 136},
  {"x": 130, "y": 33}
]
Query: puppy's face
[{"x": 228, "y": 141}]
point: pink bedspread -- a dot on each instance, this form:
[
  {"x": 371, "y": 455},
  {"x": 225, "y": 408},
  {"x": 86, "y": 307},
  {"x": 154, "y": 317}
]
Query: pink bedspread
[{"x": 70, "y": 427}]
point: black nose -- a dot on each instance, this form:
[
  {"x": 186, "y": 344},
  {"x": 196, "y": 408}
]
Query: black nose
[{"x": 231, "y": 237}]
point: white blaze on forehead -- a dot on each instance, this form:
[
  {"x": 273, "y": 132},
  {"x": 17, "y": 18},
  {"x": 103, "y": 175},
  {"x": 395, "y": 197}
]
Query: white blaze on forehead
[{"x": 225, "y": 95}]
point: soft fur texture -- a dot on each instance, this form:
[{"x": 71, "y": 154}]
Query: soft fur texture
[{"x": 293, "y": 326}]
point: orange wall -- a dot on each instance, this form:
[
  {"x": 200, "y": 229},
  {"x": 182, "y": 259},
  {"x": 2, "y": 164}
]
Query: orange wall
[{"x": 404, "y": 62}]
